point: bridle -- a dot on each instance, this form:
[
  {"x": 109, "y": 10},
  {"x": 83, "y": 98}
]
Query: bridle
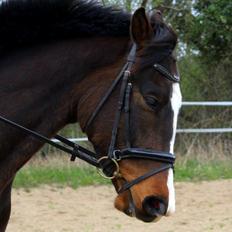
[
  {"x": 116, "y": 155},
  {"x": 109, "y": 165}
]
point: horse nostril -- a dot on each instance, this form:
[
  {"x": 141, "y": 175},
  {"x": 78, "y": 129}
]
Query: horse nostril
[{"x": 154, "y": 206}]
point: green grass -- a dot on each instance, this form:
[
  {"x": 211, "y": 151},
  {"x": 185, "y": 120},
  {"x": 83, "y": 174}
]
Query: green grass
[
  {"x": 194, "y": 170},
  {"x": 75, "y": 176},
  {"x": 61, "y": 176}
]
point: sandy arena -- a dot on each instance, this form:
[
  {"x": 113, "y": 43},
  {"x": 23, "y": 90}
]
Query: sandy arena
[{"x": 201, "y": 207}]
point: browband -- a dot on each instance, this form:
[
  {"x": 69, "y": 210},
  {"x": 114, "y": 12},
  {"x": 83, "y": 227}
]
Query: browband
[{"x": 161, "y": 69}]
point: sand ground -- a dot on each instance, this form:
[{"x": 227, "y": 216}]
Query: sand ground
[{"x": 201, "y": 207}]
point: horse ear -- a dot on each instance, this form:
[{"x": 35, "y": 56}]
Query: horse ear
[{"x": 141, "y": 29}]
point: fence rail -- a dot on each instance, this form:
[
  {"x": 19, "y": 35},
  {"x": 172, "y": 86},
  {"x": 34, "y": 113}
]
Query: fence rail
[
  {"x": 205, "y": 130},
  {"x": 187, "y": 130},
  {"x": 207, "y": 103}
]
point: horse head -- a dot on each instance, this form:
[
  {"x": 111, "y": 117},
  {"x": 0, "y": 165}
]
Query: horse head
[{"x": 154, "y": 103}]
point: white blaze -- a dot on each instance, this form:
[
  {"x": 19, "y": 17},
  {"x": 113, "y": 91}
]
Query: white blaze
[{"x": 176, "y": 104}]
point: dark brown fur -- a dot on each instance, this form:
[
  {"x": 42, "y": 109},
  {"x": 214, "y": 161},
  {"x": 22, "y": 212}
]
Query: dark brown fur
[{"x": 45, "y": 86}]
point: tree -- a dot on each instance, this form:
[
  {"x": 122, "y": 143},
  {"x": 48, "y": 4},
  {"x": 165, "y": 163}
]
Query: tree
[{"x": 211, "y": 31}]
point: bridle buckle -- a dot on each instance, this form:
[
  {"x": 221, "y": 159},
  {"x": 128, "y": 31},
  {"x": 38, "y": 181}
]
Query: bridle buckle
[{"x": 116, "y": 155}]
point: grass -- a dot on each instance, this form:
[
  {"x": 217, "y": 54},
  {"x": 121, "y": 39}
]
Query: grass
[
  {"x": 65, "y": 174},
  {"x": 70, "y": 176},
  {"x": 194, "y": 170}
]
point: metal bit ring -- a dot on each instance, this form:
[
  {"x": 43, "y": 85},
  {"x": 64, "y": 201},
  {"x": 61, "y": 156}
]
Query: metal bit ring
[{"x": 116, "y": 172}]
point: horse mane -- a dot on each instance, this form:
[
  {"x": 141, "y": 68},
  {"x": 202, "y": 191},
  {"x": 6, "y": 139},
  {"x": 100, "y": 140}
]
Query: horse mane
[{"x": 35, "y": 21}]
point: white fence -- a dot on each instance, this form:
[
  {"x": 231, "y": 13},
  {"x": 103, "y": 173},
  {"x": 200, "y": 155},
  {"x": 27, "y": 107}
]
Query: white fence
[
  {"x": 188, "y": 130},
  {"x": 207, "y": 103},
  {"x": 206, "y": 130}
]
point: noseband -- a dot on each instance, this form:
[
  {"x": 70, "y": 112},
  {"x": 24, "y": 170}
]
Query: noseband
[{"x": 109, "y": 164}]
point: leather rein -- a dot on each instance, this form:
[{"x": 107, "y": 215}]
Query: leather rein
[{"x": 109, "y": 164}]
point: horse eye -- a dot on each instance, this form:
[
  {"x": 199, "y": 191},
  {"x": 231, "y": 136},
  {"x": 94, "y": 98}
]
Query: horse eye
[{"x": 152, "y": 102}]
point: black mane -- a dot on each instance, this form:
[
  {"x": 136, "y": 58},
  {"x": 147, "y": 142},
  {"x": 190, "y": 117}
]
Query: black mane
[{"x": 35, "y": 21}]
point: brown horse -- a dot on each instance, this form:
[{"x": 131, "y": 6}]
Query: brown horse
[{"x": 57, "y": 60}]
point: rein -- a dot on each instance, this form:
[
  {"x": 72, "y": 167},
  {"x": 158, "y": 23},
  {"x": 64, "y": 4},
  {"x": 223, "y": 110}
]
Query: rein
[
  {"x": 75, "y": 150},
  {"x": 109, "y": 164}
]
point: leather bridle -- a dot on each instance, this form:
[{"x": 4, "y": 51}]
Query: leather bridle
[
  {"x": 110, "y": 164},
  {"x": 116, "y": 155}
]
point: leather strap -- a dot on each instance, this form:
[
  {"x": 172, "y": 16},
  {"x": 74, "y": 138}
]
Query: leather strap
[
  {"x": 127, "y": 66},
  {"x": 129, "y": 153},
  {"x": 105, "y": 98},
  {"x": 127, "y": 115},
  {"x": 153, "y": 172},
  {"x": 161, "y": 69},
  {"x": 118, "y": 114},
  {"x": 75, "y": 151}
]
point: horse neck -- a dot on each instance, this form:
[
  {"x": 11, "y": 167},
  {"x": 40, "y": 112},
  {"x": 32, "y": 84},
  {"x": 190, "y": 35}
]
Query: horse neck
[{"x": 54, "y": 78}]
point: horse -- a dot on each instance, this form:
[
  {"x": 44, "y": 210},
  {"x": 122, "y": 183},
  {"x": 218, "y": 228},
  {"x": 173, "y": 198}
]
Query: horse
[{"x": 58, "y": 59}]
